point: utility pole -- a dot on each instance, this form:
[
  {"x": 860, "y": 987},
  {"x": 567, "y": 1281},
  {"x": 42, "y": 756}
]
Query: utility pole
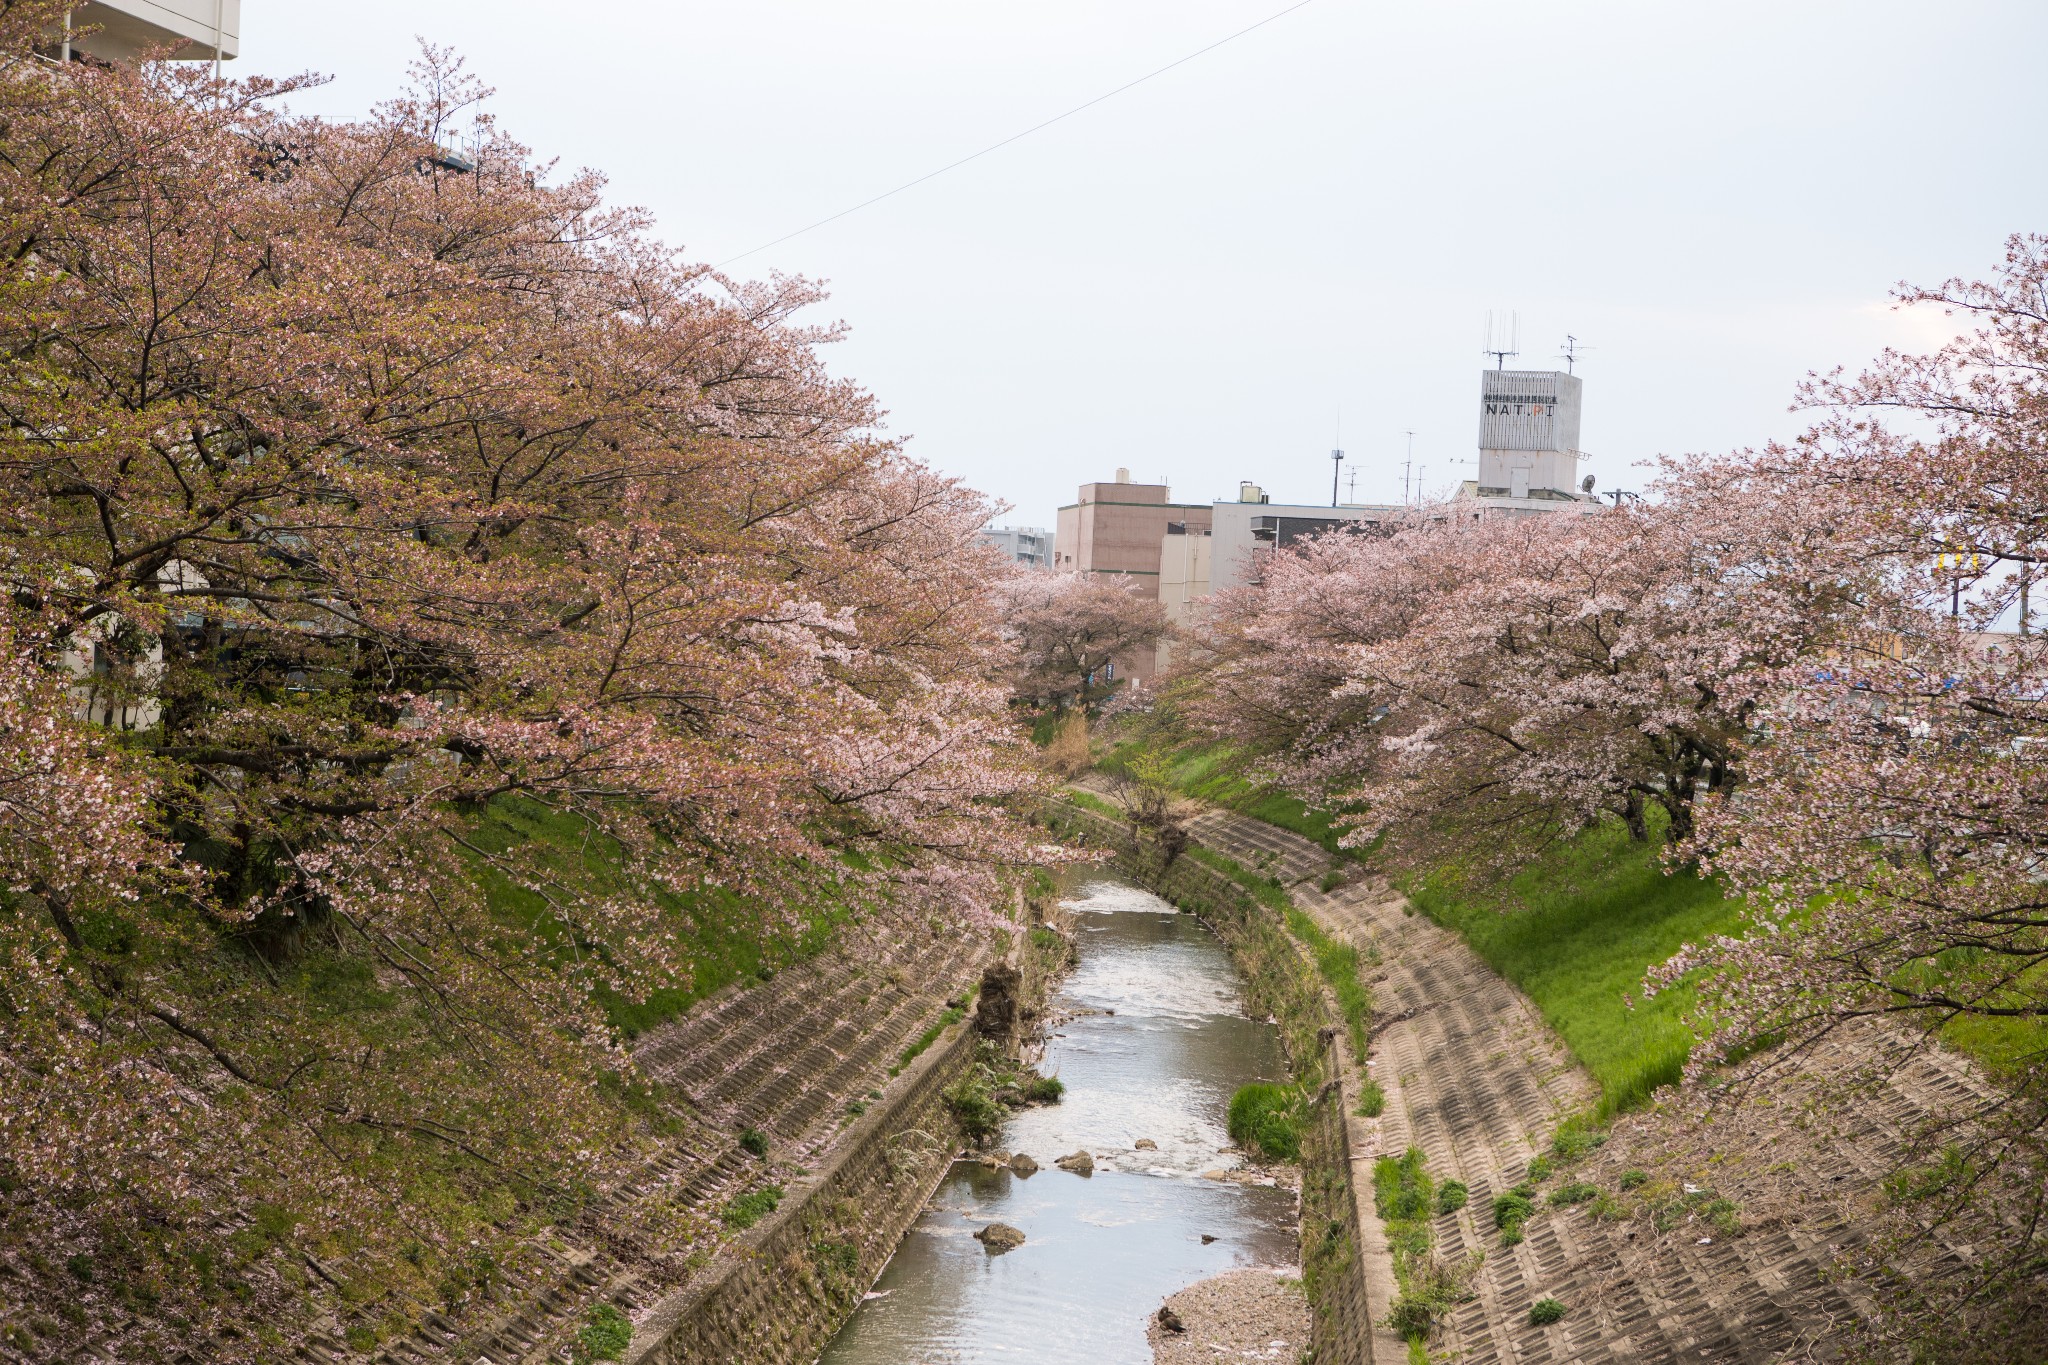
[
  {"x": 1336, "y": 467},
  {"x": 1405, "y": 466}
]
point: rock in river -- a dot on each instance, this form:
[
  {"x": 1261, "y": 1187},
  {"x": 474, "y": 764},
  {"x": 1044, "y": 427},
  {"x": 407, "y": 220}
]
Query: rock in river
[
  {"x": 999, "y": 1238},
  {"x": 1023, "y": 1165},
  {"x": 1145, "y": 1145},
  {"x": 1080, "y": 1163}
]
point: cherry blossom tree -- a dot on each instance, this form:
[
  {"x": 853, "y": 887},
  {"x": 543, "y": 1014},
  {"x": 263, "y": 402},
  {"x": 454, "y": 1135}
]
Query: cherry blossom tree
[
  {"x": 356, "y": 493},
  {"x": 1890, "y": 838},
  {"x": 1066, "y": 630}
]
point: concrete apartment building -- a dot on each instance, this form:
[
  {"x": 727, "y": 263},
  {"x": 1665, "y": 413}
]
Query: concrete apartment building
[
  {"x": 1031, "y": 545},
  {"x": 1119, "y": 529},
  {"x": 122, "y": 30}
]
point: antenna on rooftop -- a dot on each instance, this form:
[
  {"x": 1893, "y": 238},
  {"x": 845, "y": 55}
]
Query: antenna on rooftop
[
  {"x": 1570, "y": 353},
  {"x": 1510, "y": 332}
]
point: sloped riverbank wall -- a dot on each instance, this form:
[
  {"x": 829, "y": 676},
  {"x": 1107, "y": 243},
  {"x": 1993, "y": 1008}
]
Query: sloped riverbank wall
[{"x": 777, "y": 1296}]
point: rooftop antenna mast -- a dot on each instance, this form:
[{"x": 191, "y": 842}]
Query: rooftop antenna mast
[
  {"x": 1337, "y": 457},
  {"x": 1407, "y": 465},
  {"x": 1570, "y": 353},
  {"x": 1511, "y": 330}
]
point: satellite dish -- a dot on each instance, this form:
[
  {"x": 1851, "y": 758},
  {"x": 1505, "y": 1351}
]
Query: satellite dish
[{"x": 1586, "y": 484}]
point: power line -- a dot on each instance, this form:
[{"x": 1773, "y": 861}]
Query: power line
[{"x": 1036, "y": 127}]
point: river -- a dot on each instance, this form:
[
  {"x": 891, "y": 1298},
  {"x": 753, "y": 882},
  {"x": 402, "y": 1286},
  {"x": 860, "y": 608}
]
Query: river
[{"x": 1151, "y": 1039}]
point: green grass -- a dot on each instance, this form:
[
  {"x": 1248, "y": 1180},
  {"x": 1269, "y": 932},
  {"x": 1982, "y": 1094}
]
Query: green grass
[
  {"x": 1214, "y": 772},
  {"x": 926, "y": 1039},
  {"x": 1265, "y": 1120},
  {"x": 748, "y": 1209},
  {"x": 726, "y": 938},
  {"x": 1582, "y": 925},
  {"x": 1402, "y": 1196},
  {"x": 1090, "y": 801}
]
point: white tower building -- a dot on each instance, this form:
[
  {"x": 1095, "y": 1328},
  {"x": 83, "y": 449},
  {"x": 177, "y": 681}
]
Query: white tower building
[{"x": 1529, "y": 435}]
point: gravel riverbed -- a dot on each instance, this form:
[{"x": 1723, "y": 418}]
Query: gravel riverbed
[{"x": 1255, "y": 1314}]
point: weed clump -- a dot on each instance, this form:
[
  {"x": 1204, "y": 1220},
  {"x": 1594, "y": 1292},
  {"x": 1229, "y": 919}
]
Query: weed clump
[
  {"x": 1510, "y": 1211},
  {"x": 975, "y": 1106},
  {"x": 1265, "y": 1120},
  {"x": 1578, "y": 1192},
  {"x": 1044, "y": 1089},
  {"x": 605, "y": 1336},
  {"x": 747, "y": 1209},
  {"x": 1372, "y": 1100},
  {"x": 1545, "y": 1311},
  {"x": 1631, "y": 1179},
  {"x": 755, "y": 1141},
  {"x": 1451, "y": 1196}
]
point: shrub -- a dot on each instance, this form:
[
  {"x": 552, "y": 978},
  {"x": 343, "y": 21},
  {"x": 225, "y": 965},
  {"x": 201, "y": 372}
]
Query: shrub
[
  {"x": 1545, "y": 1311},
  {"x": 974, "y": 1104},
  {"x": 1044, "y": 1089},
  {"x": 1451, "y": 1196},
  {"x": 1372, "y": 1100},
  {"x": 1412, "y": 1318},
  {"x": 605, "y": 1335},
  {"x": 1266, "y": 1121},
  {"x": 755, "y": 1141},
  {"x": 1578, "y": 1192},
  {"x": 1541, "y": 1168},
  {"x": 1510, "y": 1211},
  {"x": 1511, "y": 1235},
  {"x": 750, "y": 1208},
  {"x": 1631, "y": 1179}
]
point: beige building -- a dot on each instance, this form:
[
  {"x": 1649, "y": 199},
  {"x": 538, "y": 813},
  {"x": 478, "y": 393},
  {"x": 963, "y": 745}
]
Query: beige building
[
  {"x": 1184, "y": 570},
  {"x": 122, "y": 30},
  {"x": 1117, "y": 530}
]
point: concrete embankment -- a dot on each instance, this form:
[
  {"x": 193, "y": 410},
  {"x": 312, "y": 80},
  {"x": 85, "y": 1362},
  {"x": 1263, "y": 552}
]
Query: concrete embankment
[
  {"x": 1731, "y": 1231},
  {"x": 776, "y": 1295}
]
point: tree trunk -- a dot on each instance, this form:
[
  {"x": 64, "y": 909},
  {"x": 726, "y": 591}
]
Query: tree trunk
[{"x": 1638, "y": 827}]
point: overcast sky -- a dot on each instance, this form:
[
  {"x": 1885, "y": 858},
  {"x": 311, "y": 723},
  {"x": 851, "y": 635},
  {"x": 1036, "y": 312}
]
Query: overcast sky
[{"x": 1196, "y": 277}]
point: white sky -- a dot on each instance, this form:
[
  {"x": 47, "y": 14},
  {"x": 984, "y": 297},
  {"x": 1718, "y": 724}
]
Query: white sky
[{"x": 1193, "y": 278}]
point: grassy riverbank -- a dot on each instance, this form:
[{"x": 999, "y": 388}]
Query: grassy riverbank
[{"x": 1575, "y": 931}]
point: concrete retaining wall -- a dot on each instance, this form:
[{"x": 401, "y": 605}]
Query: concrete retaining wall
[{"x": 777, "y": 1295}]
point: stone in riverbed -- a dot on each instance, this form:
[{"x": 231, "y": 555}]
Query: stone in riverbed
[
  {"x": 1022, "y": 1164},
  {"x": 1080, "y": 1163},
  {"x": 1145, "y": 1145},
  {"x": 999, "y": 1238}
]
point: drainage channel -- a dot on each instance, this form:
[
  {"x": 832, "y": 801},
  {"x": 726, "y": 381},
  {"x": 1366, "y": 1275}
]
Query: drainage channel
[{"x": 1151, "y": 1038}]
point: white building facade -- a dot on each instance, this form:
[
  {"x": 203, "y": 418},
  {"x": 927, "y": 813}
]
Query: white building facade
[
  {"x": 1031, "y": 545},
  {"x": 122, "y": 30}
]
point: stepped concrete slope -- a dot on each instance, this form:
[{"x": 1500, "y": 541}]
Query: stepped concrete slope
[
  {"x": 1475, "y": 1079},
  {"x": 788, "y": 1057}
]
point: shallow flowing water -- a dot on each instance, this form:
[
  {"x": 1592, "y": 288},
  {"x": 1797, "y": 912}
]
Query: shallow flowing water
[{"x": 1152, "y": 1041}]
